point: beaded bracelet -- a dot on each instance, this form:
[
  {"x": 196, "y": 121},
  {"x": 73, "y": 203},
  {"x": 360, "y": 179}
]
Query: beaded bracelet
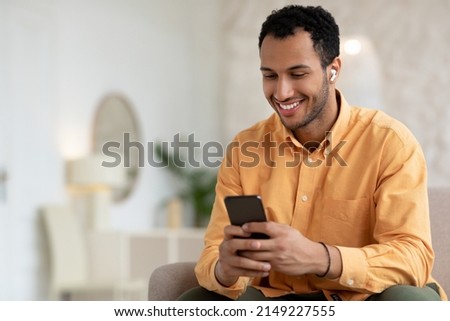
[{"x": 329, "y": 261}]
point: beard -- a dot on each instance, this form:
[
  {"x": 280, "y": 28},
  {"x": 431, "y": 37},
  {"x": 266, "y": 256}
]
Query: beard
[{"x": 319, "y": 102}]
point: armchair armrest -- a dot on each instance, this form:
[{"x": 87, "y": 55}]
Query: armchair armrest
[{"x": 169, "y": 281}]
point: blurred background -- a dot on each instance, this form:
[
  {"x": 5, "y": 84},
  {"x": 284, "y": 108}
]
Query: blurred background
[{"x": 75, "y": 74}]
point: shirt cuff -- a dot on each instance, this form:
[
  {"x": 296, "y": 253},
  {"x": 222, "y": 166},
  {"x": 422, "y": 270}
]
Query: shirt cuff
[
  {"x": 354, "y": 268},
  {"x": 234, "y": 291}
]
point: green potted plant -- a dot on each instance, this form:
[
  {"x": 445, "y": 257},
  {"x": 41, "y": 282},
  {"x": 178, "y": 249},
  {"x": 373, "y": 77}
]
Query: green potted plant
[{"x": 197, "y": 185}]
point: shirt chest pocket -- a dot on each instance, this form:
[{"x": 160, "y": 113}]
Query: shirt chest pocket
[{"x": 346, "y": 222}]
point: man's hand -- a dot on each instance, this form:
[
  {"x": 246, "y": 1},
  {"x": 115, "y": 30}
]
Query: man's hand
[
  {"x": 287, "y": 251},
  {"x": 232, "y": 264}
]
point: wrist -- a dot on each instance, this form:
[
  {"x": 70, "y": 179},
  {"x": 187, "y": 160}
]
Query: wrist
[
  {"x": 327, "y": 266},
  {"x": 336, "y": 263},
  {"x": 330, "y": 262},
  {"x": 219, "y": 275}
]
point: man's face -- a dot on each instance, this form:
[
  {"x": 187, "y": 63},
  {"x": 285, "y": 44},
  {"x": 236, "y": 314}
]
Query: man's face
[{"x": 294, "y": 82}]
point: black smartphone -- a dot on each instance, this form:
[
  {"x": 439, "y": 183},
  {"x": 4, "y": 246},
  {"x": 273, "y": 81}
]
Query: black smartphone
[{"x": 244, "y": 209}]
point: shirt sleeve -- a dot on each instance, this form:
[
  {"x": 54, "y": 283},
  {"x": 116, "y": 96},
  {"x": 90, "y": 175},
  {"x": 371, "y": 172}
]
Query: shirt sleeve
[
  {"x": 402, "y": 252},
  {"x": 228, "y": 183}
]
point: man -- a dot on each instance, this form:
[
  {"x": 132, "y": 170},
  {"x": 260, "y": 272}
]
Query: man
[{"x": 344, "y": 188}]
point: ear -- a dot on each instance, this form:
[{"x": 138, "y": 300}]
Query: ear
[{"x": 334, "y": 69}]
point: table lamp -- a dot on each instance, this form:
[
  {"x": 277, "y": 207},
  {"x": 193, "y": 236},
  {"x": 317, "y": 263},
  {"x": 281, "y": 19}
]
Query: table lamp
[{"x": 91, "y": 183}]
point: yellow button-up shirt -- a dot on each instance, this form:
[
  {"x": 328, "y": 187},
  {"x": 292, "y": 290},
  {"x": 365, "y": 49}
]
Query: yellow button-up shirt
[{"x": 364, "y": 190}]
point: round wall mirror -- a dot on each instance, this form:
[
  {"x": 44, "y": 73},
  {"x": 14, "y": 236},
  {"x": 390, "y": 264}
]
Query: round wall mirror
[{"x": 116, "y": 122}]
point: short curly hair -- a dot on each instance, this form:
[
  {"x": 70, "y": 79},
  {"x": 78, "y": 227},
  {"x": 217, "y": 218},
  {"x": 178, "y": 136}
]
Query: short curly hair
[{"x": 318, "y": 22}]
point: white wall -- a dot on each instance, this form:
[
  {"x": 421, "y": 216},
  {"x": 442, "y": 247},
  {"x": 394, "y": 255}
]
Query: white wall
[
  {"x": 29, "y": 148},
  {"x": 4, "y": 217},
  {"x": 160, "y": 55},
  {"x": 58, "y": 59}
]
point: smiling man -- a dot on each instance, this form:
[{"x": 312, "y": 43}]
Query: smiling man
[
  {"x": 349, "y": 220},
  {"x": 297, "y": 85}
]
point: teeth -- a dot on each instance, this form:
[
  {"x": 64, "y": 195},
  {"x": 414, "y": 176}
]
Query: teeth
[{"x": 290, "y": 106}]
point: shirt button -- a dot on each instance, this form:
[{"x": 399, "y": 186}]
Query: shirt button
[
  {"x": 350, "y": 282},
  {"x": 304, "y": 198}
]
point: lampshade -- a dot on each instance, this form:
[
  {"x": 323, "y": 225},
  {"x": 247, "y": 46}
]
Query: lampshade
[{"x": 89, "y": 172}]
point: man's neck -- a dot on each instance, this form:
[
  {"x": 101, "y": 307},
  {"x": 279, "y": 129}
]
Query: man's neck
[{"x": 314, "y": 133}]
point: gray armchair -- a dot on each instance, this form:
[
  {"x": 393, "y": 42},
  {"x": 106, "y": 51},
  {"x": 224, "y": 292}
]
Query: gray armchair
[{"x": 169, "y": 281}]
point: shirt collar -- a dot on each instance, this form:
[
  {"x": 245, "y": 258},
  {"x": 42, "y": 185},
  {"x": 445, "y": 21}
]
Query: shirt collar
[{"x": 340, "y": 126}]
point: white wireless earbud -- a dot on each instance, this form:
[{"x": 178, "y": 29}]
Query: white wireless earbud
[{"x": 333, "y": 74}]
